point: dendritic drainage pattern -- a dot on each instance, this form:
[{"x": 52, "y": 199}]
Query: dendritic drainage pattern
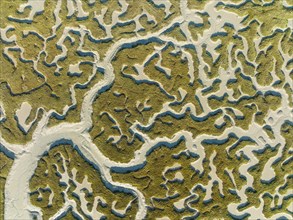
[{"x": 146, "y": 109}]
